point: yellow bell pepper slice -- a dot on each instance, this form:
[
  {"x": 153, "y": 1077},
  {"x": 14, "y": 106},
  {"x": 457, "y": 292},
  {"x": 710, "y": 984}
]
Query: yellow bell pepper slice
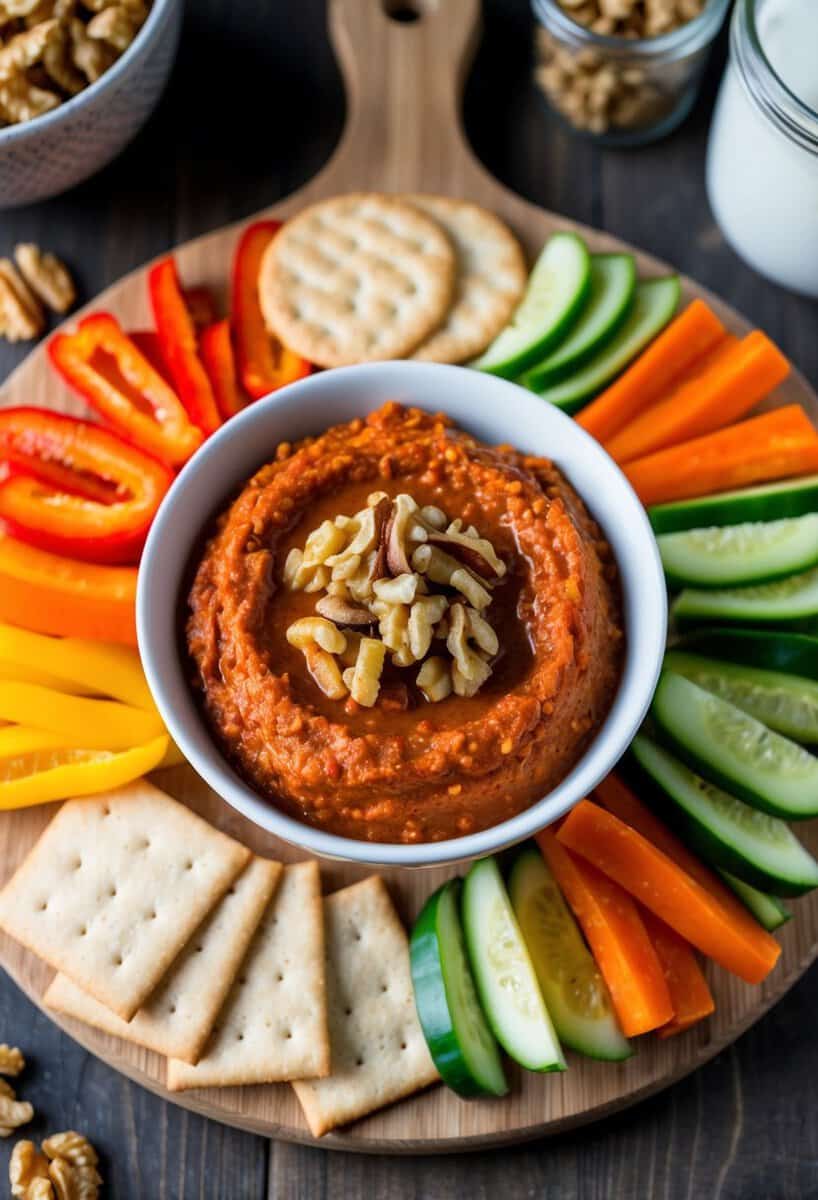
[
  {"x": 15, "y": 671},
  {"x": 91, "y": 724},
  {"x": 37, "y": 767},
  {"x": 76, "y": 664}
]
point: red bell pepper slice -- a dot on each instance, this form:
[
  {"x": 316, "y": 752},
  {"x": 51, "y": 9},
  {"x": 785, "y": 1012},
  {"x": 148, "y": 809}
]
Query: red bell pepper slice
[
  {"x": 147, "y": 343},
  {"x": 107, "y": 369},
  {"x": 201, "y": 304},
  {"x": 177, "y": 337},
  {"x": 264, "y": 363},
  {"x": 75, "y": 488},
  {"x": 216, "y": 349}
]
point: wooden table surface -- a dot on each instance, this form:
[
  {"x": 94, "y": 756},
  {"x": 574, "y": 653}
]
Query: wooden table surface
[{"x": 254, "y": 107}]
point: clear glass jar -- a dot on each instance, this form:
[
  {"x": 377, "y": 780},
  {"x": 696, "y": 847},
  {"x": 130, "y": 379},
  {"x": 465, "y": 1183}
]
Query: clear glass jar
[
  {"x": 762, "y": 158},
  {"x": 622, "y": 90}
]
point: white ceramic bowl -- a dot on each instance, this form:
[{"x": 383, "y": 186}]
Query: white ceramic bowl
[
  {"x": 52, "y": 153},
  {"x": 494, "y": 411}
]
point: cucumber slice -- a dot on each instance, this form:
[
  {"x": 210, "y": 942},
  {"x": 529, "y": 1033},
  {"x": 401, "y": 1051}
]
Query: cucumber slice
[
  {"x": 792, "y": 653},
  {"x": 755, "y": 847},
  {"x": 754, "y": 552},
  {"x": 786, "y": 703},
  {"x": 790, "y": 603},
  {"x": 654, "y": 303},
  {"x": 459, "y": 1040},
  {"x": 613, "y": 282},
  {"x": 767, "y": 910},
  {"x": 557, "y": 289},
  {"x": 505, "y": 978},
  {"x": 769, "y": 502},
  {"x": 735, "y": 751},
  {"x": 574, "y": 991}
]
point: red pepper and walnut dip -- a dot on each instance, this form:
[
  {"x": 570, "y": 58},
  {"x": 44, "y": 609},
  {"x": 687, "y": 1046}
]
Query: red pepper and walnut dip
[{"x": 516, "y": 644}]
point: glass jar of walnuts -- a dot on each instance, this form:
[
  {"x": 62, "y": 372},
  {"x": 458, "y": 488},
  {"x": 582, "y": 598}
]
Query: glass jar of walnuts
[{"x": 623, "y": 71}]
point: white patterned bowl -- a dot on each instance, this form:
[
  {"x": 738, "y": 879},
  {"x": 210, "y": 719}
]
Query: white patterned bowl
[
  {"x": 494, "y": 411},
  {"x": 52, "y": 153}
]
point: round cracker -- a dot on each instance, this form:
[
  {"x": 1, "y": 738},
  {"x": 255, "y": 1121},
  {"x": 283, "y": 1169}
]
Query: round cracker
[
  {"x": 357, "y": 278},
  {"x": 491, "y": 279}
]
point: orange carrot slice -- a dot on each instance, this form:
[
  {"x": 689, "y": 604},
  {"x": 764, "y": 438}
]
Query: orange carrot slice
[
  {"x": 719, "y": 389},
  {"x": 638, "y": 866},
  {"x": 620, "y": 800},
  {"x": 691, "y": 996},
  {"x": 614, "y": 795},
  {"x": 687, "y": 337},
  {"x": 776, "y": 445},
  {"x": 617, "y": 937}
]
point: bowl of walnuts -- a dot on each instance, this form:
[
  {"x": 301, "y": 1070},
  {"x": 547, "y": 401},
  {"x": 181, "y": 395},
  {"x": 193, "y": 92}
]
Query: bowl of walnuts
[{"x": 77, "y": 82}]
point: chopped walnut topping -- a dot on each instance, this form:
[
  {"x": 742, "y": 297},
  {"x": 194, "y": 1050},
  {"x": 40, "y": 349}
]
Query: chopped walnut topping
[
  {"x": 435, "y": 679},
  {"x": 385, "y": 566}
]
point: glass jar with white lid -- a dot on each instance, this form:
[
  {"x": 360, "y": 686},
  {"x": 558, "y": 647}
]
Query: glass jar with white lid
[{"x": 762, "y": 160}]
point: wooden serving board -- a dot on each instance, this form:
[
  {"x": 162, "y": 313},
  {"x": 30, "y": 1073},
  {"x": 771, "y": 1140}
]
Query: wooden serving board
[{"x": 403, "y": 133}]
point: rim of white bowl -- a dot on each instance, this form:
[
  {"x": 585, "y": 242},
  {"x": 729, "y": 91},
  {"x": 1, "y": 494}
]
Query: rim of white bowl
[
  {"x": 162, "y": 654},
  {"x": 94, "y": 90}
]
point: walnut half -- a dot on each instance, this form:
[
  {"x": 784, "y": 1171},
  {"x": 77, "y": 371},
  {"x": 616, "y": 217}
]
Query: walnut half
[
  {"x": 21, "y": 314},
  {"x": 46, "y": 276},
  {"x": 28, "y": 1173},
  {"x": 11, "y": 1060},
  {"x": 73, "y": 1166}
]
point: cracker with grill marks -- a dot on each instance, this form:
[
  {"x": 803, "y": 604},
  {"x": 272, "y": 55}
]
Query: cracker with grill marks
[
  {"x": 115, "y": 887},
  {"x": 179, "y": 1017},
  {"x": 357, "y": 278},
  {"x": 379, "y": 1054},
  {"x": 491, "y": 279},
  {"x": 273, "y": 1025}
]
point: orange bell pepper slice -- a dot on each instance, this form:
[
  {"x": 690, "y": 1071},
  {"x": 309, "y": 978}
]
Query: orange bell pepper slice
[
  {"x": 264, "y": 363},
  {"x": 51, "y": 594}
]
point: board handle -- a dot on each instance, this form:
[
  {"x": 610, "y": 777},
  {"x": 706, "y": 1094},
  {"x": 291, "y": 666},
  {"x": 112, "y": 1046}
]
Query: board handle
[{"x": 404, "y": 63}]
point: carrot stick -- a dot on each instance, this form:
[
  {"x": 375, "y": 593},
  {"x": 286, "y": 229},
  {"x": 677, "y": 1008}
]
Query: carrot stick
[
  {"x": 660, "y": 885},
  {"x": 687, "y": 337},
  {"x": 692, "y": 998},
  {"x": 720, "y": 389},
  {"x": 617, "y": 937},
  {"x": 620, "y": 800},
  {"x": 776, "y": 445}
]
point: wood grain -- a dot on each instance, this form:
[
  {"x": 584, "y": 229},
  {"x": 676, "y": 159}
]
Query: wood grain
[{"x": 401, "y": 144}]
